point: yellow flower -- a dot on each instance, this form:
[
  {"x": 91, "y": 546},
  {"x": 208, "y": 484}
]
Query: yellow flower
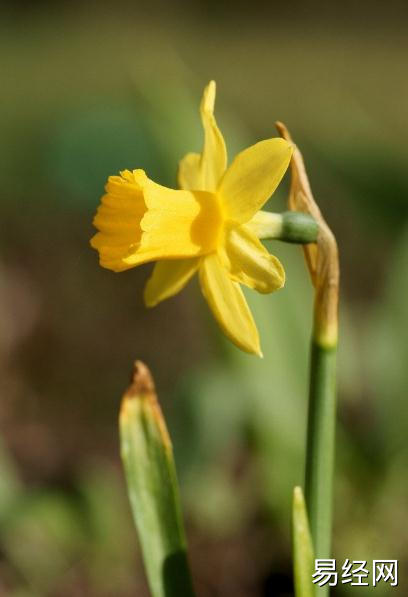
[{"x": 208, "y": 227}]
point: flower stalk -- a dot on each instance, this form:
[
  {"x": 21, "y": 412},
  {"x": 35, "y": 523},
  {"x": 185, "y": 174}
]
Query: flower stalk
[{"x": 323, "y": 265}]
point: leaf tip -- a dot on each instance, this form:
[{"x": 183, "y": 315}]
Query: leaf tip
[
  {"x": 141, "y": 386},
  {"x": 141, "y": 381},
  {"x": 142, "y": 392}
]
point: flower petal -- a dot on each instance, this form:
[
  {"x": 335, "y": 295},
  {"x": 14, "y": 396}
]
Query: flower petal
[
  {"x": 252, "y": 178},
  {"x": 168, "y": 278},
  {"x": 249, "y": 263},
  {"x": 189, "y": 174},
  {"x": 228, "y": 305},
  {"x": 203, "y": 172}
]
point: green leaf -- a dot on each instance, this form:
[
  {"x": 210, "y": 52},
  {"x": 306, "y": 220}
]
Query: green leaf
[
  {"x": 147, "y": 456},
  {"x": 303, "y": 558}
]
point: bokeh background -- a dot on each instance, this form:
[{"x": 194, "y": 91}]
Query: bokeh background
[{"x": 90, "y": 88}]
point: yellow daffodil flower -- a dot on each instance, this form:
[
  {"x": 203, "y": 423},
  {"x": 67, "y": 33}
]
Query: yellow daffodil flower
[{"x": 209, "y": 227}]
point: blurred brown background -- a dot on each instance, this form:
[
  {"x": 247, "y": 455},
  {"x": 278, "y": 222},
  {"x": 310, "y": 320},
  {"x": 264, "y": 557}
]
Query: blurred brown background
[{"x": 91, "y": 88}]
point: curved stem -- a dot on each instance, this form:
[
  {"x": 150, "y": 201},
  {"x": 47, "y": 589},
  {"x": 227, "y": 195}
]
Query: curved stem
[{"x": 323, "y": 264}]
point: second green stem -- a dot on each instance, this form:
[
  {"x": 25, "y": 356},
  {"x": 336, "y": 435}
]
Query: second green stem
[{"x": 321, "y": 447}]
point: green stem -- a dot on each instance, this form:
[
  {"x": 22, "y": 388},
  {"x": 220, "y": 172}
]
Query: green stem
[
  {"x": 323, "y": 264},
  {"x": 320, "y": 447}
]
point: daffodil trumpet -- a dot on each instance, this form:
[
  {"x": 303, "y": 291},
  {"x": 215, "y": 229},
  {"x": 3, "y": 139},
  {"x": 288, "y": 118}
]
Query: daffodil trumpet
[{"x": 211, "y": 226}]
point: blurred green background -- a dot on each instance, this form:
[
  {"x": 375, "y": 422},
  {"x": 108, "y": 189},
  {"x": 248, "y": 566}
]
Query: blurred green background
[{"x": 90, "y": 88}]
